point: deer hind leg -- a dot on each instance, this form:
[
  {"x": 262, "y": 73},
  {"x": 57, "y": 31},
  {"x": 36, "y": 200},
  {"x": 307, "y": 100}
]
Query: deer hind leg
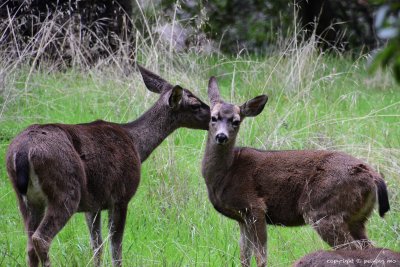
[
  {"x": 254, "y": 237},
  {"x": 358, "y": 220},
  {"x": 58, "y": 212},
  {"x": 32, "y": 216},
  {"x": 334, "y": 231},
  {"x": 93, "y": 220},
  {"x": 32, "y": 222},
  {"x": 117, "y": 218},
  {"x": 358, "y": 232}
]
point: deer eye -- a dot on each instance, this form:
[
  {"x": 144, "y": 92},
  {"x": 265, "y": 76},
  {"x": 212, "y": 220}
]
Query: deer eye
[
  {"x": 235, "y": 123},
  {"x": 214, "y": 119},
  {"x": 195, "y": 107}
]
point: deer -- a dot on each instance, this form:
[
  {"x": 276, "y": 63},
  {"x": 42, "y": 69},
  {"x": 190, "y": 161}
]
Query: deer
[
  {"x": 59, "y": 169},
  {"x": 329, "y": 190},
  {"x": 351, "y": 258}
]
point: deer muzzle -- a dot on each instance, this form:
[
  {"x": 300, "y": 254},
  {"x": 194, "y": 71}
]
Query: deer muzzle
[{"x": 221, "y": 138}]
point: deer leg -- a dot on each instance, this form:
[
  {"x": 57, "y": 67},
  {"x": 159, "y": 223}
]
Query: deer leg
[
  {"x": 56, "y": 216},
  {"x": 256, "y": 231},
  {"x": 93, "y": 220},
  {"x": 334, "y": 231},
  {"x": 117, "y": 218},
  {"x": 245, "y": 245},
  {"x": 357, "y": 231},
  {"x": 32, "y": 222},
  {"x": 260, "y": 241},
  {"x": 32, "y": 215}
]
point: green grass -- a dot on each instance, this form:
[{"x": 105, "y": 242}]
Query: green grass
[{"x": 315, "y": 102}]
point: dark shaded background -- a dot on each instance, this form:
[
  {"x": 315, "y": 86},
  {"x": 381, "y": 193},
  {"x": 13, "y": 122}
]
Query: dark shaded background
[{"x": 102, "y": 26}]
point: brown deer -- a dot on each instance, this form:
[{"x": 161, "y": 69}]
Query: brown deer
[
  {"x": 332, "y": 191},
  {"x": 351, "y": 258},
  {"x": 60, "y": 169}
]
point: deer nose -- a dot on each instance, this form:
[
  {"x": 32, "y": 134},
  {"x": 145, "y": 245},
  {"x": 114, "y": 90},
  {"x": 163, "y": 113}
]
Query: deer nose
[{"x": 221, "y": 138}]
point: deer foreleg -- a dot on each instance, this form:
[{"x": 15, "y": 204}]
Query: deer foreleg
[
  {"x": 245, "y": 245},
  {"x": 257, "y": 234},
  {"x": 117, "y": 218},
  {"x": 93, "y": 220}
]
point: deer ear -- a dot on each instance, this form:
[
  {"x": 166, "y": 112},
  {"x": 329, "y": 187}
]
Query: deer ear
[
  {"x": 213, "y": 91},
  {"x": 254, "y": 106},
  {"x": 175, "y": 98},
  {"x": 153, "y": 82}
]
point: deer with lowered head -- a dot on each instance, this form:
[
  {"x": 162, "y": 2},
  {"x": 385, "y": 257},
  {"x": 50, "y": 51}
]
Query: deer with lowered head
[
  {"x": 351, "y": 258},
  {"x": 60, "y": 169},
  {"x": 333, "y": 192}
]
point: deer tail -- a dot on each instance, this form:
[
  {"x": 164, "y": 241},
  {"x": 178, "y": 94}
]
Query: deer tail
[
  {"x": 383, "y": 198},
  {"x": 22, "y": 171}
]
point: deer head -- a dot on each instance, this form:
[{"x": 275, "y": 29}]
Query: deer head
[
  {"x": 226, "y": 118},
  {"x": 187, "y": 109}
]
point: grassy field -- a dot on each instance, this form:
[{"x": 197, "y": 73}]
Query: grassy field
[{"x": 317, "y": 101}]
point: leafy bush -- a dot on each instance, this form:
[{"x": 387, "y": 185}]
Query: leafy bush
[{"x": 388, "y": 28}]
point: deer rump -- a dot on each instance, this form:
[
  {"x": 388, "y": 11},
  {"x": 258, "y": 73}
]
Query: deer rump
[
  {"x": 292, "y": 186},
  {"x": 95, "y": 163}
]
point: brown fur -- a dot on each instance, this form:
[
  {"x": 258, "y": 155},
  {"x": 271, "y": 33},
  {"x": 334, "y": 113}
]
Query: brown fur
[
  {"x": 59, "y": 169},
  {"x": 333, "y": 192},
  {"x": 351, "y": 258}
]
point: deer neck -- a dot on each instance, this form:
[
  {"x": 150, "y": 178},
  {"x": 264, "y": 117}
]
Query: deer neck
[
  {"x": 150, "y": 129},
  {"x": 217, "y": 160}
]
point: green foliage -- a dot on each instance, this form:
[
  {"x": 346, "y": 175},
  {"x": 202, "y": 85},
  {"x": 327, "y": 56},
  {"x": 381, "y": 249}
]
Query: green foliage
[
  {"x": 236, "y": 24},
  {"x": 388, "y": 28},
  {"x": 254, "y": 25}
]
